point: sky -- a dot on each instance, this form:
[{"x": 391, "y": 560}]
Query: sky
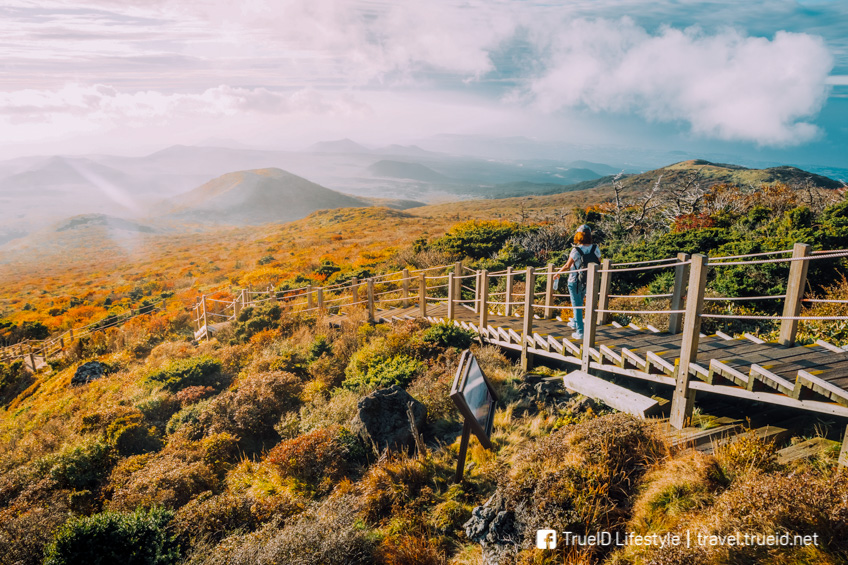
[{"x": 763, "y": 79}]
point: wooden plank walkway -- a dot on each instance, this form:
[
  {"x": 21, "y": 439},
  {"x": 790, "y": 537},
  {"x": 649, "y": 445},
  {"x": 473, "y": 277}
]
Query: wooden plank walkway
[{"x": 811, "y": 377}]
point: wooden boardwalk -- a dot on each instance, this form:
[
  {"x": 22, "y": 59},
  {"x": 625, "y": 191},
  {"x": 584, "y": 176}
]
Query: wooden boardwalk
[{"x": 810, "y": 377}]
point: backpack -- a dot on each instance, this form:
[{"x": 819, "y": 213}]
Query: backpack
[{"x": 585, "y": 258}]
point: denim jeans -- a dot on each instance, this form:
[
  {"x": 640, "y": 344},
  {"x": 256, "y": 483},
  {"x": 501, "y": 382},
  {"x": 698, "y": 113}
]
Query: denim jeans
[{"x": 577, "y": 301}]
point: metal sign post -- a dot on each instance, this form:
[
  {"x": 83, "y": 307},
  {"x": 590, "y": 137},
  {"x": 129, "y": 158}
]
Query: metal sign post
[{"x": 473, "y": 395}]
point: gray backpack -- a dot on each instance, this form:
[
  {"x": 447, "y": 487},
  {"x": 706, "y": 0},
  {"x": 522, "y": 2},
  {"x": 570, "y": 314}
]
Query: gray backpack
[{"x": 585, "y": 258}]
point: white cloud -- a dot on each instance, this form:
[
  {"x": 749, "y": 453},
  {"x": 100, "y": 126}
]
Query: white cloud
[
  {"x": 724, "y": 85},
  {"x": 103, "y": 103}
]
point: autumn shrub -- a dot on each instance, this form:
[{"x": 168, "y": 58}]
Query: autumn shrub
[
  {"x": 745, "y": 454},
  {"x": 11, "y": 375},
  {"x": 195, "y": 371},
  {"x": 337, "y": 410},
  {"x": 326, "y": 372},
  {"x": 448, "y": 335},
  {"x": 674, "y": 488},
  {"x": 327, "y": 533},
  {"x": 315, "y": 459},
  {"x": 253, "y": 409},
  {"x": 140, "y": 537},
  {"x": 25, "y": 532},
  {"x": 381, "y": 372},
  {"x": 393, "y": 484},
  {"x": 169, "y": 478},
  {"x": 580, "y": 478},
  {"x": 212, "y": 517},
  {"x": 407, "y": 549},
  {"x": 432, "y": 388},
  {"x": 192, "y": 394}
]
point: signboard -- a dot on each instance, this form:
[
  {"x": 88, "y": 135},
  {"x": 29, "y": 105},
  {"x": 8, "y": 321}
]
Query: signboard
[{"x": 475, "y": 398}]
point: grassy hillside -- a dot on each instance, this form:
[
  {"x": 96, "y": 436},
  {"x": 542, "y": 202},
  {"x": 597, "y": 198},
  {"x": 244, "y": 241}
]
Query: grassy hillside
[{"x": 245, "y": 448}]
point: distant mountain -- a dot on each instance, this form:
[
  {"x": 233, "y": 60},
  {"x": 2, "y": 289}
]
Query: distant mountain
[
  {"x": 410, "y": 171},
  {"x": 339, "y": 146},
  {"x": 406, "y": 151},
  {"x": 56, "y": 172},
  {"x": 715, "y": 173},
  {"x": 89, "y": 220},
  {"x": 599, "y": 168},
  {"x": 255, "y": 197}
]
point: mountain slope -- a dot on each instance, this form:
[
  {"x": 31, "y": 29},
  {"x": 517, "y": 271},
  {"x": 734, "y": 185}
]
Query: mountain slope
[
  {"x": 256, "y": 197},
  {"x": 409, "y": 171}
]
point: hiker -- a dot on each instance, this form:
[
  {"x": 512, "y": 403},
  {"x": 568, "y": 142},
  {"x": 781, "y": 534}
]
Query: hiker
[{"x": 583, "y": 252}]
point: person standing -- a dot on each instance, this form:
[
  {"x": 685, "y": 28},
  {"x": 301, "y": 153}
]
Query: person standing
[{"x": 583, "y": 252}]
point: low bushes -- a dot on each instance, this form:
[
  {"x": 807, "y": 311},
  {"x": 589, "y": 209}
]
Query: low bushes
[
  {"x": 381, "y": 372},
  {"x": 183, "y": 373},
  {"x": 138, "y": 538},
  {"x": 448, "y": 335},
  {"x": 315, "y": 459}
]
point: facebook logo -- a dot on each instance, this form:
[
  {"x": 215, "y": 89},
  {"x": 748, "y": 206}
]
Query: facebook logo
[{"x": 546, "y": 539}]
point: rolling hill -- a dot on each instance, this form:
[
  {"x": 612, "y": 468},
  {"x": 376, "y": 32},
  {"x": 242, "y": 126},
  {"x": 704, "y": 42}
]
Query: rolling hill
[{"x": 255, "y": 197}]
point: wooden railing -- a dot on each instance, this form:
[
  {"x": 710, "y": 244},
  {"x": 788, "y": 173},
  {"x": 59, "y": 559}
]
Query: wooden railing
[{"x": 485, "y": 292}]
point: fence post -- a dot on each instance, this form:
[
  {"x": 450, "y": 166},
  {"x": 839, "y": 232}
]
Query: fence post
[
  {"x": 451, "y": 296},
  {"x": 319, "y": 296},
  {"x": 843, "y": 453},
  {"x": 457, "y": 281},
  {"x": 527, "y": 329},
  {"x": 422, "y": 295},
  {"x": 370, "y": 300},
  {"x": 354, "y": 290},
  {"x": 508, "y": 296},
  {"x": 684, "y": 399},
  {"x": 483, "y": 304},
  {"x": 794, "y": 293},
  {"x": 603, "y": 293},
  {"x": 405, "y": 275},
  {"x": 476, "y": 302},
  {"x": 681, "y": 273},
  {"x": 309, "y": 301},
  {"x": 590, "y": 320},
  {"x": 205, "y": 322},
  {"x": 71, "y": 336},
  {"x": 549, "y": 292}
]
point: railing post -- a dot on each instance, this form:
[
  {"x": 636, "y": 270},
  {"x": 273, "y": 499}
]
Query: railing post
[
  {"x": 370, "y": 300},
  {"x": 405, "y": 275},
  {"x": 549, "y": 292},
  {"x": 319, "y": 296},
  {"x": 683, "y": 400},
  {"x": 71, "y": 336},
  {"x": 205, "y": 322},
  {"x": 457, "y": 281},
  {"x": 794, "y": 293},
  {"x": 422, "y": 295},
  {"x": 603, "y": 292},
  {"x": 354, "y": 291},
  {"x": 477, "y": 292},
  {"x": 843, "y": 453},
  {"x": 527, "y": 329},
  {"x": 590, "y": 321},
  {"x": 508, "y": 296},
  {"x": 681, "y": 273},
  {"x": 451, "y": 296},
  {"x": 309, "y": 301},
  {"x": 483, "y": 304}
]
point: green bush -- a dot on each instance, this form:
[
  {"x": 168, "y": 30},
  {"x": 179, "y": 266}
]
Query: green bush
[
  {"x": 82, "y": 466},
  {"x": 129, "y": 435},
  {"x": 188, "y": 416},
  {"x": 384, "y": 372},
  {"x": 195, "y": 371},
  {"x": 448, "y": 335},
  {"x": 140, "y": 537},
  {"x": 253, "y": 320},
  {"x": 476, "y": 239}
]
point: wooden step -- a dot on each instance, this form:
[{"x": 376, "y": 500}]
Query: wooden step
[{"x": 808, "y": 448}]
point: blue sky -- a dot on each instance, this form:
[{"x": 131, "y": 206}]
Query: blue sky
[{"x": 761, "y": 79}]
